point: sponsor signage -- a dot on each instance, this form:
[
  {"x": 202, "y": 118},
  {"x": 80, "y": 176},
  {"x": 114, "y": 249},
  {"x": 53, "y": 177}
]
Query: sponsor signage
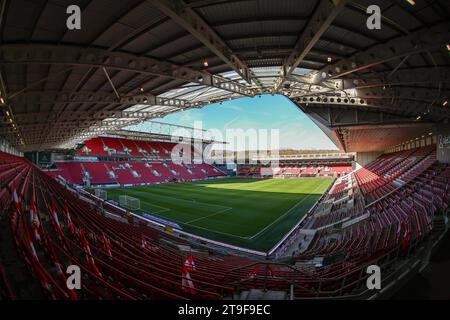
[{"x": 163, "y": 221}]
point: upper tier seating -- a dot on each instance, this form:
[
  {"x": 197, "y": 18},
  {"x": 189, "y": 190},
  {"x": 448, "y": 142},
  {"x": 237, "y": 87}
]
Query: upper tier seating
[
  {"x": 131, "y": 146},
  {"x": 98, "y": 172},
  {"x": 108, "y": 146},
  {"x": 131, "y": 172}
]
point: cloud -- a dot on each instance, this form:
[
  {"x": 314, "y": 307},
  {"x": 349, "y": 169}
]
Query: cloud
[
  {"x": 295, "y": 128},
  {"x": 245, "y": 110},
  {"x": 186, "y": 116},
  {"x": 233, "y": 107},
  {"x": 229, "y": 123},
  {"x": 304, "y": 137}
]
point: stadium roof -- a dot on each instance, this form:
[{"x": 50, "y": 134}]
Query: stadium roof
[
  {"x": 138, "y": 60},
  {"x": 206, "y": 138}
]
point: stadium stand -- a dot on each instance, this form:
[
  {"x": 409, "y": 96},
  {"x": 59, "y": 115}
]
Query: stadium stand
[
  {"x": 140, "y": 162},
  {"x": 297, "y": 171},
  {"x": 131, "y": 172},
  {"x": 107, "y": 146},
  {"x": 98, "y": 172},
  {"x": 122, "y": 260},
  {"x": 69, "y": 94}
]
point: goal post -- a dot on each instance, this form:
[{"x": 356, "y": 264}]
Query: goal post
[
  {"x": 102, "y": 194},
  {"x": 129, "y": 202}
]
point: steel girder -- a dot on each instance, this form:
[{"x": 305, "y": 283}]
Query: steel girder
[
  {"x": 402, "y": 77},
  {"x": 428, "y": 39},
  {"x": 53, "y": 97},
  {"x": 189, "y": 20},
  {"x": 38, "y": 53},
  {"x": 83, "y": 115},
  {"x": 380, "y": 98},
  {"x": 335, "y": 118},
  {"x": 41, "y": 127},
  {"x": 59, "y": 133},
  {"x": 405, "y": 93},
  {"x": 397, "y": 92},
  {"x": 318, "y": 24},
  {"x": 405, "y": 107}
]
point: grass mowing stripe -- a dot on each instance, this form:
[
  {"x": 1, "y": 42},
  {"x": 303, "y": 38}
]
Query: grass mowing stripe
[
  {"x": 287, "y": 212},
  {"x": 180, "y": 199},
  {"x": 197, "y": 195},
  {"x": 233, "y": 210},
  {"x": 211, "y": 215}
]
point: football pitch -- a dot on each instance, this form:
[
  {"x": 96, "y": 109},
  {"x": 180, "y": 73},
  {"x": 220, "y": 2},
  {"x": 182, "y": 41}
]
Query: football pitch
[{"x": 249, "y": 213}]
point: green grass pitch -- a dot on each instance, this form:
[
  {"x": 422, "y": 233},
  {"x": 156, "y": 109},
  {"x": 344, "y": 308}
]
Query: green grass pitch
[{"x": 250, "y": 213}]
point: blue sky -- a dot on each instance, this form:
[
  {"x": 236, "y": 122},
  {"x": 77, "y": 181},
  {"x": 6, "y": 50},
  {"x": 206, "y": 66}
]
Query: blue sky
[{"x": 268, "y": 112}]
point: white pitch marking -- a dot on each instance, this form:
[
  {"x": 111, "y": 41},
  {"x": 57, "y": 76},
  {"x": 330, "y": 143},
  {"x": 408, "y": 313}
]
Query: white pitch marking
[
  {"x": 179, "y": 199},
  {"x": 262, "y": 230},
  {"x": 210, "y": 215}
]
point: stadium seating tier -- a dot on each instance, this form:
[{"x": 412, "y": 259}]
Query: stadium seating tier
[{"x": 54, "y": 227}]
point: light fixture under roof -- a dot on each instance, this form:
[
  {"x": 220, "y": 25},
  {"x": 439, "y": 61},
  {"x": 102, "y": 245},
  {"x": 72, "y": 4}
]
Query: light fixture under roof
[
  {"x": 445, "y": 103},
  {"x": 329, "y": 59},
  {"x": 205, "y": 64},
  {"x": 411, "y": 2}
]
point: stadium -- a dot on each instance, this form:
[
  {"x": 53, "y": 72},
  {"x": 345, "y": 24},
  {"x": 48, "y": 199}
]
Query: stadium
[{"x": 102, "y": 198}]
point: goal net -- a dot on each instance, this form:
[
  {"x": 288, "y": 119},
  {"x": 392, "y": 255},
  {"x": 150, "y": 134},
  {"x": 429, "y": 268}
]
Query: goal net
[
  {"x": 101, "y": 194},
  {"x": 129, "y": 202}
]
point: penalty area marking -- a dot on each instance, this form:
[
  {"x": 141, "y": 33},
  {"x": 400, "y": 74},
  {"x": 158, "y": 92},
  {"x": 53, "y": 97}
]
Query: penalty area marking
[
  {"x": 222, "y": 211},
  {"x": 220, "y": 232},
  {"x": 164, "y": 209},
  {"x": 184, "y": 200},
  {"x": 198, "y": 227},
  {"x": 210, "y": 215},
  {"x": 196, "y": 219}
]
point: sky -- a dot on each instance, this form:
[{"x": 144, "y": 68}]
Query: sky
[{"x": 267, "y": 112}]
